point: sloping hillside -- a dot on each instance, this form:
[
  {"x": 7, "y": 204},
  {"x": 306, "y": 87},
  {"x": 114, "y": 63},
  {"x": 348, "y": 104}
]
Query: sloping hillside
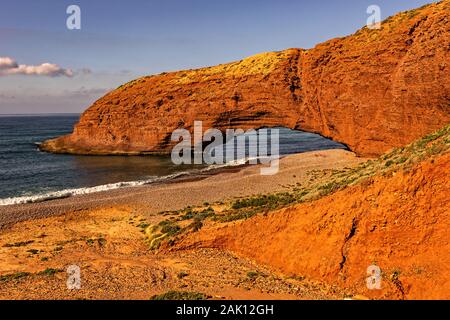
[{"x": 394, "y": 215}]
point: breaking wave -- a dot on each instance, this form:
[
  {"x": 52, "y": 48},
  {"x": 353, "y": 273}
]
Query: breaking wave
[{"x": 66, "y": 193}]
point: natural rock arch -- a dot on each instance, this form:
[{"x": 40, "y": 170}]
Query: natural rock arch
[{"x": 372, "y": 91}]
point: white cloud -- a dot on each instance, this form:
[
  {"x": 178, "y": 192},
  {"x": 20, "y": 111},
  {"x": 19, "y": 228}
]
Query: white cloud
[
  {"x": 9, "y": 66},
  {"x": 7, "y": 63}
]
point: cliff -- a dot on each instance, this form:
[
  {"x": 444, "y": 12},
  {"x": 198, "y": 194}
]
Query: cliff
[
  {"x": 394, "y": 216},
  {"x": 373, "y": 90}
]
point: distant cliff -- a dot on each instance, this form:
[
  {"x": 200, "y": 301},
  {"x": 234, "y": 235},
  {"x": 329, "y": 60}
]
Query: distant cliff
[{"x": 373, "y": 90}]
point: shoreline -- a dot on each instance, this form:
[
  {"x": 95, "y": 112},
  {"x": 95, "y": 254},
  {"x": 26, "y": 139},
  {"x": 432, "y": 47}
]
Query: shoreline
[
  {"x": 176, "y": 177},
  {"x": 221, "y": 184}
]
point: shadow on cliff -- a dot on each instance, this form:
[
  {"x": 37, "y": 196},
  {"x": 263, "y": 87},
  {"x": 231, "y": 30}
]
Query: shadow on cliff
[{"x": 373, "y": 90}]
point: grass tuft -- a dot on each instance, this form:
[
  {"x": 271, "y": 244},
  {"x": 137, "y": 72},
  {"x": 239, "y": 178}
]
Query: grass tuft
[{"x": 180, "y": 295}]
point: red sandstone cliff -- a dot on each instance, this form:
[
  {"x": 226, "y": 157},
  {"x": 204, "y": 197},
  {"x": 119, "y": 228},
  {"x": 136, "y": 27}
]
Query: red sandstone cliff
[
  {"x": 373, "y": 90},
  {"x": 397, "y": 220}
]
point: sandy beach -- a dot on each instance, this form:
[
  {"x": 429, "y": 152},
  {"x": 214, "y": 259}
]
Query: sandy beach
[
  {"x": 222, "y": 185},
  {"x": 108, "y": 131},
  {"x": 102, "y": 234},
  {"x": 138, "y": 243}
]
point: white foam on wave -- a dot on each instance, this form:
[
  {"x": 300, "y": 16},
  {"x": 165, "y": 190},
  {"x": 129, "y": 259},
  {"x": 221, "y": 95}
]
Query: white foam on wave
[
  {"x": 53, "y": 195},
  {"x": 82, "y": 191},
  {"x": 233, "y": 163}
]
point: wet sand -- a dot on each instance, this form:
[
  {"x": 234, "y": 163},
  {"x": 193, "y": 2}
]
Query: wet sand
[{"x": 217, "y": 186}]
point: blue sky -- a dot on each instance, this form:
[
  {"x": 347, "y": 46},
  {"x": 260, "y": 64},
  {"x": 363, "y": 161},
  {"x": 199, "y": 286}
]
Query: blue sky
[{"x": 122, "y": 40}]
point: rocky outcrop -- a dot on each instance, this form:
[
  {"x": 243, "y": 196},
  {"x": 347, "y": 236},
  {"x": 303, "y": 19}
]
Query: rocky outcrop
[
  {"x": 396, "y": 221},
  {"x": 373, "y": 90}
]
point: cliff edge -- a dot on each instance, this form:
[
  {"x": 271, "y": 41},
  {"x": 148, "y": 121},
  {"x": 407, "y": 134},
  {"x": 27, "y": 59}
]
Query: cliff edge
[
  {"x": 394, "y": 215},
  {"x": 373, "y": 90}
]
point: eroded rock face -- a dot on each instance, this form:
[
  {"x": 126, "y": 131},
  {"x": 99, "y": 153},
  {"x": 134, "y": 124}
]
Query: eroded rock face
[
  {"x": 336, "y": 238},
  {"x": 373, "y": 90}
]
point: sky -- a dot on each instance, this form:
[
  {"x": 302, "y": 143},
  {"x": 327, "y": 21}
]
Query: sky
[{"x": 47, "y": 68}]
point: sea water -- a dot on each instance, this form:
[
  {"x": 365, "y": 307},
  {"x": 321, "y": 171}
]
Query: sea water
[{"x": 29, "y": 175}]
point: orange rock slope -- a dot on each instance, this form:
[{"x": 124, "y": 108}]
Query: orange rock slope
[
  {"x": 398, "y": 222},
  {"x": 373, "y": 90}
]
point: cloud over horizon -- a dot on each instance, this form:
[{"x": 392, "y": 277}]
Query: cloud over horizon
[{"x": 9, "y": 66}]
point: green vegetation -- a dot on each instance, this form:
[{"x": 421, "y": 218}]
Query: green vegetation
[
  {"x": 253, "y": 275},
  {"x": 18, "y": 244},
  {"x": 50, "y": 272},
  {"x": 143, "y": 225},
  {"x": 395, "y": 274},
  {"x": 20, "y": 275},
  {"x": 234, "y": 216},
  {"x": 389, "y": 163},
  {"x": 33, "y": 251},
  {"x": 180, "y": 295},
  {"x": 196, "y": 225},
  {"x": 156, "y": 234},
  {"x": 272, "y": 201},
  {"x": 297, "y": 278},
  {"x": 320, "y": 184},
  {"x": 412, "y": 13},
  {"x": 169, "y": 228},
  {"x": 182, "y": 275},
  {"x": 14, "y": 276},
  {"x": 189, "y": 213},
  {"x": 101, "y": 242}
]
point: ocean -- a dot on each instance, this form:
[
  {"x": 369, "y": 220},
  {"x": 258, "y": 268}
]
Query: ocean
[{"x": 29, "y": 175}]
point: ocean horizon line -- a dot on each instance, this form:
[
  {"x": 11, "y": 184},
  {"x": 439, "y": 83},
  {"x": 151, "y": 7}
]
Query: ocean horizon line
[{"x": 39, "y": 114}]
